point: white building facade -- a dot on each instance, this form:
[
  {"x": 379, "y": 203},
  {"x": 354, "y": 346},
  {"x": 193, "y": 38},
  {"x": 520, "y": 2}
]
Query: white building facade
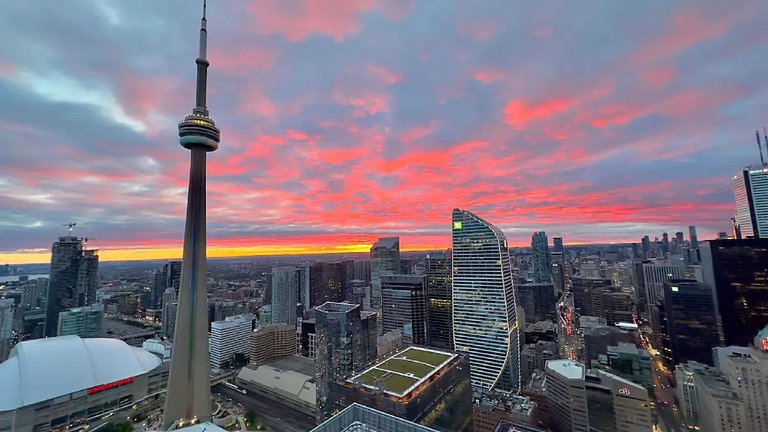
[{"x": 229, "y": 337}]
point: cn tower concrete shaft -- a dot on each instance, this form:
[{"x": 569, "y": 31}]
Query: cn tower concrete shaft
[
  {"x": 189, "y": 390},
  {"x": 188, "y": 400}
]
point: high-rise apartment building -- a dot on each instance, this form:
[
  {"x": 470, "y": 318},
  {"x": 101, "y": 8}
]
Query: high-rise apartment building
[
  {"x": 229, "y": 337},
  {"x": 437, "y": 269},
  {"x": 285, "y": 288},
  {"x": 687, "y": 323},
  {"x": 542, "y": 272},
  {"x": 326, "y": 283},
  {"x": 738, "y": 271},
  {"x": 385, "y": 260},
  {"x": 557, "y": 244},
  {"x": 346, "y": 340},
  {"x": 83, "y": 321},
  {"x": 74, "y": 279},
  {"x": 750, "y": 190},
  {"x": 485, "y": 322},
  {"x": 692, "y": 237},
  {"x": 582, "y": 400},
  {"x": 168, "y": 277},
  {"x": 170, "y": 306},
  {"x": 404, "y": 307},
  {"x": 7, "y": 306}
]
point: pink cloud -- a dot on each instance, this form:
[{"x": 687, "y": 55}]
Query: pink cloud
[
  {"x": 383, "y": 74},
  {"x": 297, "y": 19},
  {"x": 520, "y": 113},
  {"x": 487, "y": 76},
  {"x": 478, "y": 30}
]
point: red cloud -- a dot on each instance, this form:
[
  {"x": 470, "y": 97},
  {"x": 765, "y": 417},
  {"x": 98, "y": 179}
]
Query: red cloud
[{"x": 520, "y": 113}]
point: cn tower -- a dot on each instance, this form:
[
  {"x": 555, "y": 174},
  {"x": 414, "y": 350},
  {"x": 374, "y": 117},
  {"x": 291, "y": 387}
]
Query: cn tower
[{"x": 188, "y": 400}]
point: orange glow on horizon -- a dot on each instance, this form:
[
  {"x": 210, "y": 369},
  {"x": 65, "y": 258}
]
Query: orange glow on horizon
[{"x": 174, "y": 253}]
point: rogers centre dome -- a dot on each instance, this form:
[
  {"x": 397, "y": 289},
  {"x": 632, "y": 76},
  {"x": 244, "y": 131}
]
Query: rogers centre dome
[{"x": 78, "y": 378}]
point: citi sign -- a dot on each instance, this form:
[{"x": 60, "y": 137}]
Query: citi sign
[
  {"x": 107, "y": 386},
  {"x": 624, "y": 391}
]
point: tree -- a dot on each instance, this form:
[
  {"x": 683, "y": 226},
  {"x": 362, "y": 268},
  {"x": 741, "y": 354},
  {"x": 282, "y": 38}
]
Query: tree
[{"x": 123, "y": 426}]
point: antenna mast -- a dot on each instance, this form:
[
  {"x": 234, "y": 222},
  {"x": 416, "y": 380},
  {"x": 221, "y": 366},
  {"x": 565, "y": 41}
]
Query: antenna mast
[{"x": 760, "y": 148}]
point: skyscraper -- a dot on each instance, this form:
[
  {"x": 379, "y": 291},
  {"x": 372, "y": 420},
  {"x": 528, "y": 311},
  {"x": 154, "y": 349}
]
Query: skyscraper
[
  {"x": 750, "y": 190},
  {"x": 692, "y": 238},
  {"x": 542, "y": 271},
  {"x": 646, "y": 244},
  {"x": 346, "y": 340},
  {"x": 437, "y": 269},
  {"x": 404, "y": 307},
  {"x": 326, "y": 282},
  {"x": 74, "y": 279},
  {"x": 170, "y": 307},
  {"x": 485, "y": 320},
  {"x": 557, "y": 244},
  {"x": 285, "y": 293},
  {"x": 188, "y": 399},
  {"x": 385, "y": 260},
  {"x": 6, "y": 327},
  {"x": 738, "y": 271},
  {"x": 688, "y": 323}
]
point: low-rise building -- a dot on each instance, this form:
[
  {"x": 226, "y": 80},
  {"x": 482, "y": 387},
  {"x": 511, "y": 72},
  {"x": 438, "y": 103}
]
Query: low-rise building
[
  {"x": 360, "y": 418},
  {"x": 418, "y": 384},
  {"x": 81, "y": 321},
  {"x": 288, "y": 381},
  {"x": 489, "y": 408},
  {"x": 272, "y": 341}
]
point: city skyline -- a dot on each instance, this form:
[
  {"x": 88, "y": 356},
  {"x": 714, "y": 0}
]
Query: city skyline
[{"x": 591, "y": 128}]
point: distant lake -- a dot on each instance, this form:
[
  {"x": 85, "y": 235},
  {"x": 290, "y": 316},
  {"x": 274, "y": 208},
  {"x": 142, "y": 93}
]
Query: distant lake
[{"x": 16, "y": 278}]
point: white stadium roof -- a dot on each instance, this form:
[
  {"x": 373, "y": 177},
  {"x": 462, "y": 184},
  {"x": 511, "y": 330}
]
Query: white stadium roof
[{"x": 43, "y": 369}]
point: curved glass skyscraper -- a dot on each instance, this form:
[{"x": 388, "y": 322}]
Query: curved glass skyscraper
[{"x": 484, "y": 314}]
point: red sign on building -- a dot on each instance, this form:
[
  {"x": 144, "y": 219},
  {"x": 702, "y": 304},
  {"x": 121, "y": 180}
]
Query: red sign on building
[{"x": 103, "y": 387}]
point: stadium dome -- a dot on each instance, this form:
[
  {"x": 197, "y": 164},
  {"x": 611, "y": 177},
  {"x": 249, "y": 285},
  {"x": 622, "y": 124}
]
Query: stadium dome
[{"x": 43, "y": 369}]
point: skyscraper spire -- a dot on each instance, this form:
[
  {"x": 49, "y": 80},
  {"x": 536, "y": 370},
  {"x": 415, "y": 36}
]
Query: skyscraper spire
[{"x": 188, "y": 400}]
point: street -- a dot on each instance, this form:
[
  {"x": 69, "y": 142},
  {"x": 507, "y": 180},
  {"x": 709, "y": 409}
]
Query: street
[
  {"x": 275, "y": 417},
  {"x": 667, "y": 410}
]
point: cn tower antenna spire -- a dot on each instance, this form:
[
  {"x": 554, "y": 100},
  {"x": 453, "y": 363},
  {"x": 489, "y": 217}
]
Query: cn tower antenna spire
[{"x": 188, "y": 399}]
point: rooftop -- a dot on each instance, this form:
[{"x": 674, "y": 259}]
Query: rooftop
[
  {"x": 304, "y": 365},
  {"x": 43, "y": 369},
  {"x": 336, "y": 307},
  {"x": 567, "y": 368},
  {"x": 399, "y": 374},
  {"x": 359, "y": 418},
  {"x": 387, "y": 243}
]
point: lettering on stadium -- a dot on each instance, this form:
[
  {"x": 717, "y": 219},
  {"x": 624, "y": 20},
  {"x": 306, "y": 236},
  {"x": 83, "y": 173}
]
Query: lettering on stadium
[{"x": 103, "y": 387}]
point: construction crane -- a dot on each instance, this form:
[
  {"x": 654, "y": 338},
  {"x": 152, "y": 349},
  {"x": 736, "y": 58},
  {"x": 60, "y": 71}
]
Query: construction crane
[{"x": 70, "y": 225}]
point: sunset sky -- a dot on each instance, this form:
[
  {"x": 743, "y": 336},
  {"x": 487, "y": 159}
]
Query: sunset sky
[{"x": 346, "y": 120}]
